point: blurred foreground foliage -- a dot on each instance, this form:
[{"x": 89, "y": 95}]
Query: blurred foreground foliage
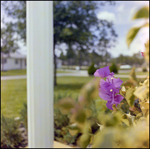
[
  {"x": 101, "y": 127},
  {"x": 10, "y": 135},
  {"x": 127, "y": 126}
]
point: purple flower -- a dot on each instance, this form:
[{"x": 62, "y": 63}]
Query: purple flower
[
  {"x": 115, "y": 100},
  {"x": 116, "y": 82},
  {"x": 109, "y": 89},
  {"x": 102, "y": 72}
]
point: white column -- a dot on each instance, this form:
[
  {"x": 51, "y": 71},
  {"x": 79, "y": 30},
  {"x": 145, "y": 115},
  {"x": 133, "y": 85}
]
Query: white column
[{"x": 40, "y": 74}]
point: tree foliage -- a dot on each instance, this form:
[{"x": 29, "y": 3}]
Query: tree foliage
[
  {"x": 8, "y": 44},
  {"x": 136, "y": 59},
  {"x": 75, "y": 23}
]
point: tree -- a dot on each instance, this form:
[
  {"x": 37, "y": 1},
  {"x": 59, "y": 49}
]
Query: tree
[
  {"x": 73, "y": 24},
  {"x": 62, "y": 56},
  {"x": 8, "y": 39},
  {"x": 136, "y": 59},
  {"x": 95, "y": 57}
]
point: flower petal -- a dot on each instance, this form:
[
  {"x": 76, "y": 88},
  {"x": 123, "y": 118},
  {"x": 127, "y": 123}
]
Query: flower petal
[
  {"x": 104, "y": 85},
  {"x": 104, "y": 95},
  {"x": 102, "y": 72},
  {"x": 109, "y": 105},
  {"x": 112, "y": 74},
  {"x": 117, "y": 82},
  {"x": 118, "y": 98}
]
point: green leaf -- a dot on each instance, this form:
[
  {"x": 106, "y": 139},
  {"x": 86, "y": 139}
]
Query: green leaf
[
  {"x": 131, "y": 35},
  {"x": 142, "y": 13},
  {"x": 109, "y": 119},
  {"x": 126, "y": 121},
  {"x": 133, "y": 75},
  {"x": 84, "y": 140},
  {"x": 73, "y": 132},
  {"x": 140, "y": 92},
  {"x": 88, "y": 112},
  {"x": 66, "y": 105},
  {"x": 73, "y": 129},
  {"x": 66, "y": 31},
  {"x": 104, "y": 139},
  {"x": 130, "y": 97},
  {"x": 80, "y": 116}
]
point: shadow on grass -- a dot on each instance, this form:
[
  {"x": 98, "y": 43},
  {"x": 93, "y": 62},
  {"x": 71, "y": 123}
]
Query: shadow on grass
[{"x": 69, "y": 86}]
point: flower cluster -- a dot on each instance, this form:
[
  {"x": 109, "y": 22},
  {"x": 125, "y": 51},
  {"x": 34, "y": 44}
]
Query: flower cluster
[{"x": 109, "y": 89}]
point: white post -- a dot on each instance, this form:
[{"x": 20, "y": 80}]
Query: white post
[{"x": 40, "y": 74}]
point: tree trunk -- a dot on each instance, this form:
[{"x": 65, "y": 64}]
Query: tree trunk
[
  {"x": 80, "y": 60},
  {"x": 2, "y": 64},
  {"x": 55, "y": 67}
]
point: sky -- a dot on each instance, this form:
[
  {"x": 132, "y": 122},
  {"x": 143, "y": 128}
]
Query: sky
[{"x": 121, "y": 14}]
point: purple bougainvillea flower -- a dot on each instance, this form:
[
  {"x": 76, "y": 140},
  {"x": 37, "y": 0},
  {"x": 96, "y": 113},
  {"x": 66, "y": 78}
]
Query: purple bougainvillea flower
[
  {"x": 109, "y": 105},
  {"x": 111, "y": 74},
  {"x": 109, "y": 89},
  {"x": 106, "y": 90},
  {"x": 102, "y": 72},
  {"x": 116, "y": 82},
  {"x": 118, "y": 98},
  {"x": 115, "y": 100},
  {"x": 109, "y": 92}
]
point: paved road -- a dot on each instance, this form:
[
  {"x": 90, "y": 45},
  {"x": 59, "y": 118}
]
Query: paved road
[
  {"x": 13, "y": 77},
  {"x": 80, "y": 73}
]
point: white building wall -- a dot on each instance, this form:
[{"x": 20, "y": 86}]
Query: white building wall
[
  {"x": 59, "y": 63},
  {"x": 23, "y": 63},
  {"x": 10, "y": 64}
]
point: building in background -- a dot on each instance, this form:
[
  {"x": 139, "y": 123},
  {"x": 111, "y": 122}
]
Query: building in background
[
  {"x": 58, "y": 63},
  {"x": 11, "y": 61},
  {"x": 17, "y": 60}
]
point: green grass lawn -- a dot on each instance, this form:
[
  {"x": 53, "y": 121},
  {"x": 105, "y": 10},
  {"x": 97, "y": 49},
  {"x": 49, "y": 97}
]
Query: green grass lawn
[
  {"x": 13, "y": 95},
  {"x": 63, "y": 71},
  {"x": 137, "y": 73},
  {"x": 13, "y": 72},
  {"x": 23, "y": 72},
  {"x": 14, "y": 92}
]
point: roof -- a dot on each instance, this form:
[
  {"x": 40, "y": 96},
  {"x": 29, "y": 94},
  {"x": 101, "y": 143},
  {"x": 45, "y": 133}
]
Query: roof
[{"x": 16, "y": 55}]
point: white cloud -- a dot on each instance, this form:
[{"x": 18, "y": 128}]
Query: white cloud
[
  {"x": 120, "y": 8},
  {"x": 106, "y": 16}
]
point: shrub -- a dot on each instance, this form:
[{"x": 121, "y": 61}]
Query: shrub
[
  {"x": 113, "y": 68},
  {"x": 91, "y": 69},
  {"x": 23, "y": 114},
  {"x": 61, "y": 123},
  {"x": 144, "y": 69},
  {"x": 10, "y": 135}
]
